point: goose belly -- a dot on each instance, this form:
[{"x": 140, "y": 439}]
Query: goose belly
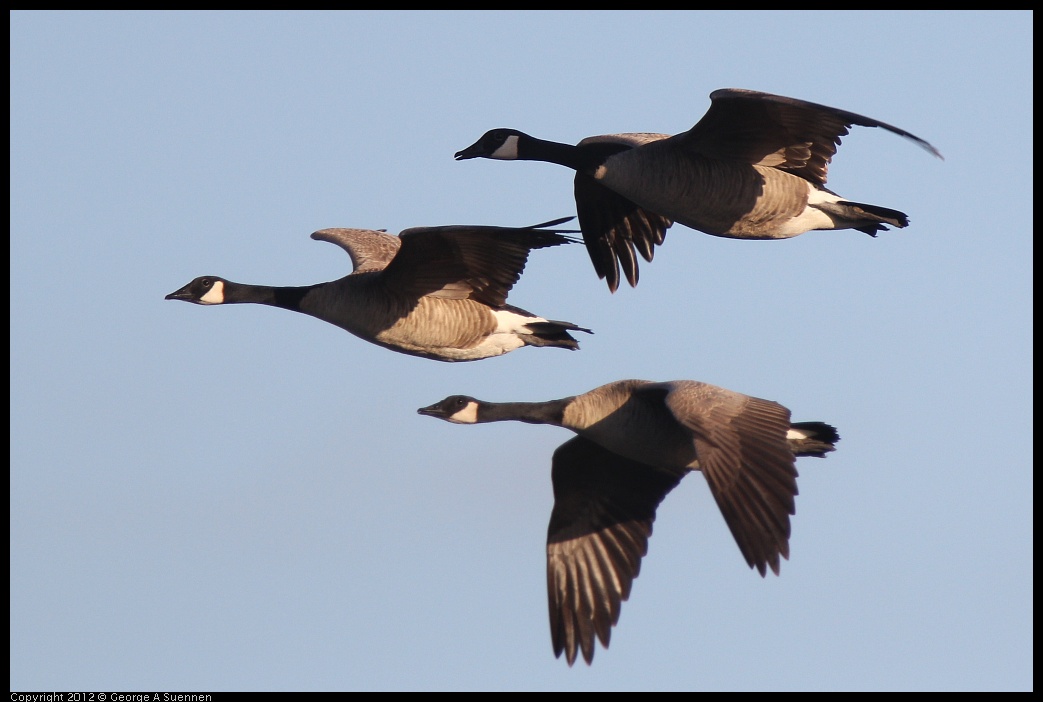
[
  {"x": 654, "y": 446},
  {"x": 738, "y": 201},
  {"x": 454, "y": 330},
  {"x": 641, "y": 432}
]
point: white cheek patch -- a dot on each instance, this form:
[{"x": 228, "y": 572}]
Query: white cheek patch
[
  {"x": 215, "y": 295},
  {"x": 468, "y": 415},
  {"x": 508, "y": 151}
]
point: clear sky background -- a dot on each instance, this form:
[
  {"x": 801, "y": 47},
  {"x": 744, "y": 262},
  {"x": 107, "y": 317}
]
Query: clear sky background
[{"x": 242, "y": 498}]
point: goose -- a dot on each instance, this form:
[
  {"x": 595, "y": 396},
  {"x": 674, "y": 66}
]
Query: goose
[
  {"x": 433, "y": 292},
  {"x": 754, "y": 167},
  {"x": 635, "y": 440}
]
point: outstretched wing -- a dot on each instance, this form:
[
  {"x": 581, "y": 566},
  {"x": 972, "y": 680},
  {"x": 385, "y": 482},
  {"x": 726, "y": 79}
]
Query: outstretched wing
[
  {"x": 741, "y": 445},
  {"x": 781, "y": 132},
  {"x": 370, "y": 250},
  {"x": 458, "y": 262},
  {"x": 604, "y": 506}
]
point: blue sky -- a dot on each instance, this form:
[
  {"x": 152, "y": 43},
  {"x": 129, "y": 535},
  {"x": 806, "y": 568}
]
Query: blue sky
[{"x": 241, "y": 498}]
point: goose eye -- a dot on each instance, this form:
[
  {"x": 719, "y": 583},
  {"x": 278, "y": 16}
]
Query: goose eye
[{"x": 206, "y": 282}]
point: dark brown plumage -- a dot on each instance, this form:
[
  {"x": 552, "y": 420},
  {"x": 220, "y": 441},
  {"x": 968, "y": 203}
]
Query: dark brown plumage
[
  {"x": 635, "y": 441},
  {"x": 434, "y": 292},
  {"x": 754, "y": 167}
]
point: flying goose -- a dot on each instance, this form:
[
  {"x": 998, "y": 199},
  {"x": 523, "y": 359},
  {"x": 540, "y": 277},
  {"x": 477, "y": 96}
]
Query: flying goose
[
  {"x": 635, "y": 440},
  {"x": 754, "y": 167},
  {"x": 434, "y": 292}
]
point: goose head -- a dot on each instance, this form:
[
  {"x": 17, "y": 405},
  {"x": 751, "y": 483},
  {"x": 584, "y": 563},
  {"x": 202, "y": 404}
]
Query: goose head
[
  {"x": 458, "y": 409},
  {"x": 500, "y": 144},
  {"x": 204, "y": 290}
]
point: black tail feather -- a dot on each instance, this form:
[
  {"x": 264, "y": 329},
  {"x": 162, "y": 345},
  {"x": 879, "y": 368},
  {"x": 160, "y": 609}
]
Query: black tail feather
[
  {"x": 862, "y": 216},
  {"x": 553, "y": 333},
  {"x": 821, "y": 439}
]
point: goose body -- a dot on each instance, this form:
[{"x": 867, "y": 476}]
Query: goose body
[
  {"x": 754, "y": 167},
  {"x": 434, "y": 292},
  {"x": 635, "y": 440}
]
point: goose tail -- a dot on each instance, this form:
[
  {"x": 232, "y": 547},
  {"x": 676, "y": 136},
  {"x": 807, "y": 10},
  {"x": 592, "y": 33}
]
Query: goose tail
[
  {"x": 552, "y": 332},
  {"x": 865, "y": 217},
  {"x": 812, "y": 438}
]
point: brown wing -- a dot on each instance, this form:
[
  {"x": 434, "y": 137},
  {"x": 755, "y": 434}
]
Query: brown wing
[
  {"x": 370, "y": 250},
  {"x": 771, "y": 130},
  {"x": 742, "y": 449},
  {"x": 604, "y": 506},
  {"x": 614, "y": 228},
  {"x": 480, "y": 263}
]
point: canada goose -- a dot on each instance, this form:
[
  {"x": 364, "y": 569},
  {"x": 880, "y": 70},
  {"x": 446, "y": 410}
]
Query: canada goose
[
  {"x": 435, "y": 292},
  {"x": 754, "y": 167},
  {"x": 635, "y": 440}
]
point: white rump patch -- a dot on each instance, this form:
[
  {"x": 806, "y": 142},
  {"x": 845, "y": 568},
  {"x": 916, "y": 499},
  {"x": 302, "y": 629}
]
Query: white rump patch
[
  {"x": 215, "y": 295},
  {"x": 797, "y": 435},
  {"x": 508, "y": 322},
  {"x": 816, "y": 196},
  {"x": 812, "y": 217}
]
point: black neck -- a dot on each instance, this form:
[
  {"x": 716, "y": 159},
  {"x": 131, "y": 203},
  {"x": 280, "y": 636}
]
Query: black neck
[
  {"x": 585, "y": 159},
  {"x": 551, "y": 412},
  {"x": 288, "y": 298}
]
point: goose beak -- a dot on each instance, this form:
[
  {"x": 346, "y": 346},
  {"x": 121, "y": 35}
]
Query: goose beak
[
  {"x": 181, "y": 294},
  {"x": 472, "y": 151},
  {"x": 431, "y": 410}
]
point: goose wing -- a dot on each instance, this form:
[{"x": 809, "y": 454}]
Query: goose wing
[
  {"x": 741, "y": 445},
  {"x": 604, "y": 506},
  {"x": 781, "y": 132},
  {"x": 460, "y": 261},
  {"x": 370, "y": 250},
  {"x": 615, "y": 229}
]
